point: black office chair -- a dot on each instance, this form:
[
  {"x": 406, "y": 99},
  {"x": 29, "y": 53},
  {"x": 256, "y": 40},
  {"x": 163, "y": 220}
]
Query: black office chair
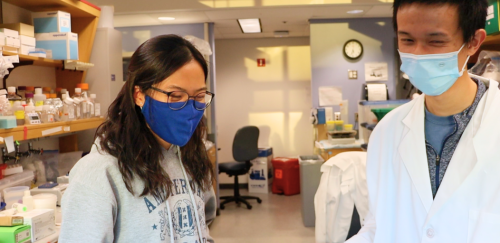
[{"x": 245, "y": 148}]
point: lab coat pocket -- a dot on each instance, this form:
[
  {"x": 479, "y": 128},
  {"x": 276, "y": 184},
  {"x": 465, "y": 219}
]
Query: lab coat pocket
[{"x": 483, "y": 227}]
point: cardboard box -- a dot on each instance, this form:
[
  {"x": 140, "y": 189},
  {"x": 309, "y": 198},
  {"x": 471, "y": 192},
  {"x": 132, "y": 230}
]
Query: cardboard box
[
  {"x": 52, "y": 21},
  {"x": 12, "y": 42},
  {"x": 22, "y": 29},
  {"x": 10, "y": 49},
  {"x": 41, "y": 221},
  {"x": 11, "y": 220},
  {"x": 27, "y": 41},
  {"x": 25, "y": 50},
  {"x": 10, "y": 33},
  {"x": 15, "y": 234},
  {"x": 64, "y": 46},
  {"x": 260, "y": 177},
  {"x": 492, "y": 24}
]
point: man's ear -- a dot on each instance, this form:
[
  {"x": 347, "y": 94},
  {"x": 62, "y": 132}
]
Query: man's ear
[
  {"x": 139, "y": 96},
  {"x": 476, "y": 42}
]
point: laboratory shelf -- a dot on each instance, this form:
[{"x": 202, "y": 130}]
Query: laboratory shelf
[
  {"x": 75, "y": 8},
  {"x": 26, "y": 132},
  {"x": 37, "y": 61}
]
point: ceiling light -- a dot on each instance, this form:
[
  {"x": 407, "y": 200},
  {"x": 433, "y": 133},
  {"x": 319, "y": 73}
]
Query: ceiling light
[
  {"x": 250, "y": 25},
  {"x": 357, "y": 11},
  {"x": 166, "y": 18}
]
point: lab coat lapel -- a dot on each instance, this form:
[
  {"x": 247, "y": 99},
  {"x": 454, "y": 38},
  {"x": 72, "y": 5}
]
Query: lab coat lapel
[
  {"x": 471, "y": 150},
  {"x": 413, "y": 152}
]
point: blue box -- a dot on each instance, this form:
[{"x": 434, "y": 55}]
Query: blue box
[
  {"x": 53, "y": 21},
  {"x": 64, "y": 46},
  {"x": 321, "y": 116},
  {"x": 265, "y": 152}
]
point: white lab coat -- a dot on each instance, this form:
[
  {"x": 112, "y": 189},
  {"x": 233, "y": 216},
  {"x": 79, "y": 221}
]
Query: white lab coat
[
  {"x": 342, "y": 185},
  {"x": 466, "y": 208}
]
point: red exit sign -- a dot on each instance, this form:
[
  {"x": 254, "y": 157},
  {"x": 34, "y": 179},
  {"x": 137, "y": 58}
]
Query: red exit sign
[{"x": 261, "y": 62}]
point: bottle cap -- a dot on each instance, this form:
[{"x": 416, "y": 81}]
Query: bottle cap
[
  {"x": 38, "y": 91},
  {"x": 47, "y": 89},
  {"x": 11, "y": 89},
  {"x": 29, "y": 95},
  {"x": 78, "y": 90},
  {"x": 53, "y": 96},
  {"x": 63, "y": 91},
  {"x": 21, "y": 88},
  {"x": 93, "y": 96},
  {"x": 83, "y": 86},
  {"x": 30, "y": 88}
]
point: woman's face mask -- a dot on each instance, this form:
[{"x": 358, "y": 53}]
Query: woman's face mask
[{"x": 174, "y": 126}]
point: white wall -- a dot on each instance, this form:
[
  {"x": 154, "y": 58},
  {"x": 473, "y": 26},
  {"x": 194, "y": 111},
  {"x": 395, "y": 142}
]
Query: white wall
[{"x": 276, "y": 98}]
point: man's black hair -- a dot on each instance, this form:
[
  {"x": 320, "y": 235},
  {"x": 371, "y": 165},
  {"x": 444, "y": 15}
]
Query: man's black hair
[{"x": 471, "y": 14}]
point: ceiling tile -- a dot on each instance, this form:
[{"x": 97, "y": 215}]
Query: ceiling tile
[
  {"x": 241, "y": 36},
  {"x": 182, "y": 17},
  {"x": 380, "y": 11},
  {"x": 226, "y": 23},
  {"x": 134, "y": 20},
  {"x": 232, "y": 30}
]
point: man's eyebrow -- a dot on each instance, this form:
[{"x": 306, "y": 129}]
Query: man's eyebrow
[
  {"x": 403, "y": 33},
  {"x": 438, "y": 34}
]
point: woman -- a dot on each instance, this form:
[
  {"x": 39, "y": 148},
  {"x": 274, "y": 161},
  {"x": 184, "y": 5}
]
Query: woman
[{"x": 148, "y": 176}]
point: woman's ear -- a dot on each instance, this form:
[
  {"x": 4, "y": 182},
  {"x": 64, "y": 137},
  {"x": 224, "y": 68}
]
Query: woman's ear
[{"x": 139, "y": 96}]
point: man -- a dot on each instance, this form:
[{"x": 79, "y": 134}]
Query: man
[{"x": 433, "y": 168}]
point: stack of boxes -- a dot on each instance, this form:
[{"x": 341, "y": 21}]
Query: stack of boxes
[
  {"x": 53, "y": 32},
  {"x": 11, "y": 42}
]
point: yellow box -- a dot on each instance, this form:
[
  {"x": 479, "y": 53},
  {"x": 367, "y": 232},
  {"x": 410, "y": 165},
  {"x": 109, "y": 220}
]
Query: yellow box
[{"x": 24, "y": 29}]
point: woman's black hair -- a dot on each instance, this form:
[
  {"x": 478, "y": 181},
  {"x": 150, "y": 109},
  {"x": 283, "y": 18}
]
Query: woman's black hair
[{"x": 125, "y": 134}]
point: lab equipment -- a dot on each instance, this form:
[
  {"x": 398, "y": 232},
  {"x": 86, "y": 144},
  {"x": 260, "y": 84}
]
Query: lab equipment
[
  {"x": 321, "y": 116},
  {"x": 348, "y": 127},
  {"x": 286, "y": 176},
  {"x": 330, "y": 126},
  {"x": 16, "y": 234},
  {"x": 39, "y": 97},
  {"x": 12, "y": 96},
  {"x": 57, "y": 190},
  {"x": 45, "y": 201},
  {"x": 19, "y": 113},
  {"x": 28, "y": 201},
  {"x": 310, "y": 174},
  {"x": 339, "y": 125},
  {"x": 14, "y": 194}
]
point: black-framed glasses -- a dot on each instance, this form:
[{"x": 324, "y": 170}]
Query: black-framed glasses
[{"x": 178, "y": 99}]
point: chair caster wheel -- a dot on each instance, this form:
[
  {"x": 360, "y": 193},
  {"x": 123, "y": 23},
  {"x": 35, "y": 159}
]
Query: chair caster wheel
[
  {"x": 222, "y": 207},
  {"x": 259, "y": 201},
  {"x": 249, "y": 207}
]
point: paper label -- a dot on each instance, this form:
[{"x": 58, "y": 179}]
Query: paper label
[
  {"x": 64, "y": 22},
  {"x": 52, "y": 130},
  {"x": 19, "y": 115},
  {"x": 20, "y": 237},
  {"x": 17, "y": 221},
  {"x": 97, "y": 108},
  {"x": 39, "y": 103}
]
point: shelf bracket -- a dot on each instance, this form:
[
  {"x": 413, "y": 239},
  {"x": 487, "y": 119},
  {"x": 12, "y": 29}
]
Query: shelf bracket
[{"x": 21, "y": 63}]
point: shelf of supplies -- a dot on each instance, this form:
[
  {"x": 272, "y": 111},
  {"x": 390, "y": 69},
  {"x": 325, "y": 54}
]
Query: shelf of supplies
[
  {"x": 37, "y": 61},
  {"x": 492, "y": 40},
  {"x": 50, "y": 129},
  {"x": 75, "y": 8}
]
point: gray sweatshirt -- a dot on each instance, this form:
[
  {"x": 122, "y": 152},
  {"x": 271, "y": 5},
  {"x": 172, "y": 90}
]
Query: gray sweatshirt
[{"x": 97, "y": 207}]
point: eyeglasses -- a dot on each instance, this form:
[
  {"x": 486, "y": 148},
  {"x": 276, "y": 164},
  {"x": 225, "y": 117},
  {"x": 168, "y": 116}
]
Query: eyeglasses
[{"x": 178, "y": 99}]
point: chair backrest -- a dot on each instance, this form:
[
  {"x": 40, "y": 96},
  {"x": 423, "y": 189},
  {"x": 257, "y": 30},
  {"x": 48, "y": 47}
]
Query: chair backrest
[{"x": 245, "y": 144}]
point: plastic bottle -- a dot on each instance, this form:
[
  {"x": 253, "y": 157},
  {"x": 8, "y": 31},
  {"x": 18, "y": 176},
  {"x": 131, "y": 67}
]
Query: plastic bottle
[
  {"x": 21, "y": 91},
  {"x": 12, "y": 96},
  {"x": 28, "y": 201},
  {"x": 29, "y": 98},
  {"x": 68, "y": 108},
  {"x": 77, "y": 99},
  {"x": 86, "y": 106},
  {"x": 47, "y": 114},
  {"x": 5, "y": 106},
  {"x": 96, "y": 111},
  {"x": 19, "y": 112},
  {"x": 58, "y": 106},
  {"x": 39, "y": 97},
  {"x": 39, "y": 111}
]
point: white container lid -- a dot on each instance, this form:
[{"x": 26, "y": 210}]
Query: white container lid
[
  {"x": 78, "y": 90},
  {"x": 93, "y": 96},
  {"x": 11, "y": 89},
  {"x": 63, "y": 91},
  {"x": 38, "y": 91}
]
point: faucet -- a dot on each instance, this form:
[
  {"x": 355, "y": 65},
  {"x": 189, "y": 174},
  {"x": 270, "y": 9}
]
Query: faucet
[
  {"x": 32, "y": 151},
  {"x": 6, "y": 157}
]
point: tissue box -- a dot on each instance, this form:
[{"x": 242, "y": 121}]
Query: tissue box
[
  {"x": 22, "y": 29},
  {"x": 11, "y": 42},
  {"x": 16, "y": 234},
  {"x": 64, "y": 46},
  {"x": 53, "y": 21},
  {"x": 41, "y": 221},
  {"x": 27, "y": 41},
  {"x": 10, "y": 33},
  {"x": 25, "y": 50}
]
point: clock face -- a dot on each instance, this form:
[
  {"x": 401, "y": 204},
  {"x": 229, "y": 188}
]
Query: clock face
[{"x": 353, "y": 49}]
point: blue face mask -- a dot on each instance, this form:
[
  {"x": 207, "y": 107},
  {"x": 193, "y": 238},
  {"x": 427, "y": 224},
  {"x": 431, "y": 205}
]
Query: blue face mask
[
  {"x": 174, "y": 126},
  {"x": 432, "y": 74}
]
